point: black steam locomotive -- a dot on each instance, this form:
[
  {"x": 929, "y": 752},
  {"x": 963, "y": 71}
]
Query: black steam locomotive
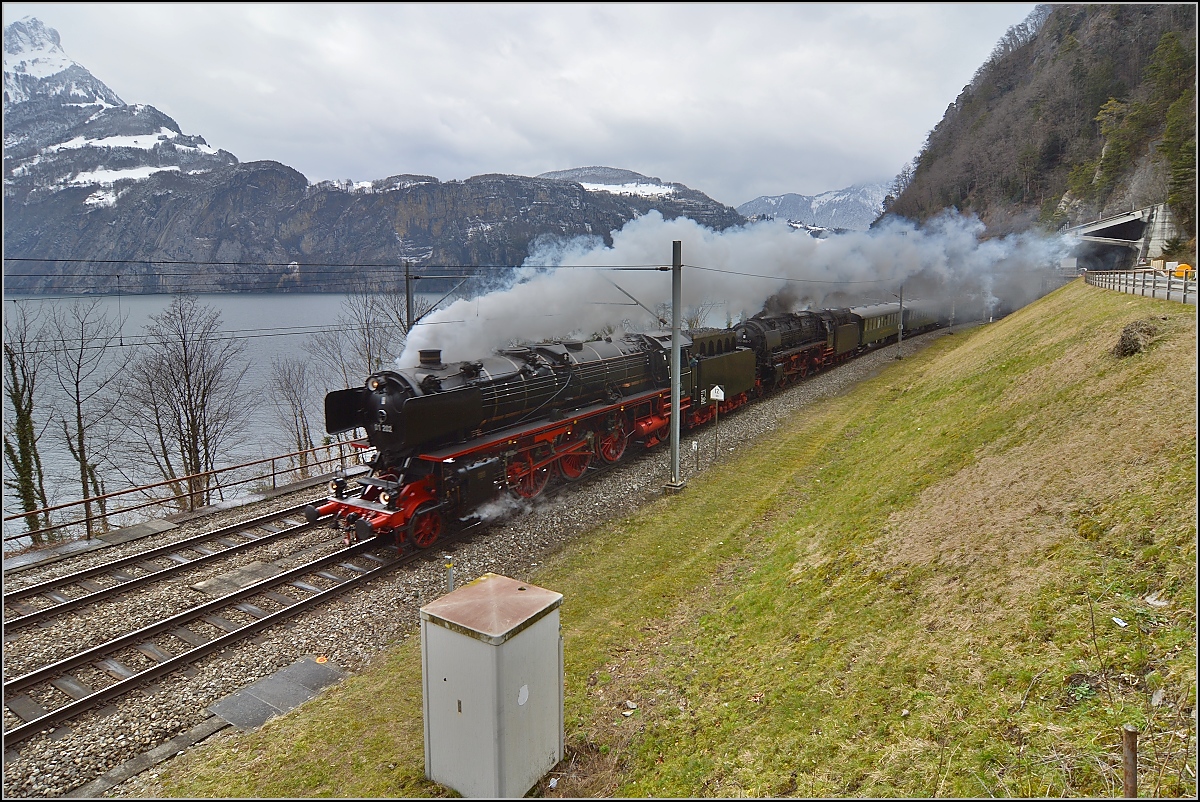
[{"x": 450, "y": 437}]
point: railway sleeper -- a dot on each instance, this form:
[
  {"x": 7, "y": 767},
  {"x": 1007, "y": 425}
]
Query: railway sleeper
[
  {"x": 332, "y": 577},
  {"x": 222, "y": 623},
  {"x": 190, "y": 636},
  {"x": 71, "y": 686},
  {"x": 38, "y": 712},
  {"x": 247, "y": 607},
  {"x": 115, "y": 668},
  {"x": 154, "y": 652},
  {"x": 280, "y": 598},
  {"x": 25, "y": 708}
]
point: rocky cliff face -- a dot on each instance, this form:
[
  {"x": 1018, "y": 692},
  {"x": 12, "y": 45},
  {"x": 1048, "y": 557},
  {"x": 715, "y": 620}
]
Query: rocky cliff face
[
  {"x": 246, "y": 224},
  {"x": 1072, "y": 118},
  {"x": 100, "y": 195}
]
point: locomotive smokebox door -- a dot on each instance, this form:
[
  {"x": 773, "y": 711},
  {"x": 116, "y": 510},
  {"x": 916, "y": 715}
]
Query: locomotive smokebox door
[{"x": 492, "y": 676}]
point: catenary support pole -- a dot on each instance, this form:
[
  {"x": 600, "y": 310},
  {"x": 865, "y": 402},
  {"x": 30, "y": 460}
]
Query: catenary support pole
[
  {"x": 408, "y": 298},
  {"x": 676, "y": 310}
]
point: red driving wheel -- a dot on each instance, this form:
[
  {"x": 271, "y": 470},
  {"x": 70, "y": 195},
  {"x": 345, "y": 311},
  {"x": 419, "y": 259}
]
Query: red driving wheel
[
  {"x": 426, "y": 528},
  {"x": 574, "y": 466},
  {"x": 612, "y": 441},
  {"x": 527, "y": 480}
]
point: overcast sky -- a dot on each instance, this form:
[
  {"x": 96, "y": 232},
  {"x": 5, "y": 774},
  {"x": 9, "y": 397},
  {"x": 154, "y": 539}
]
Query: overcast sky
[{"x": 735, "y": 100}]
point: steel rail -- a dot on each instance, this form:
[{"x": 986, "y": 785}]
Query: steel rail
[
  {"x": 125, "y": 585},
  {"x": 74, "y": 661},
  {"x": 68, "y": 579},
  {"x": 121, "y": 687}
]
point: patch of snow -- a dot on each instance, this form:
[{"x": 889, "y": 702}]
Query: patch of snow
[
  {"x": 22, "y": 169},
  {"x": 103, "y": 105},
  {"x": 101, "y": 198},
  {"x": 404, "y": 185},
  {"x": 109, "y": 177},
  {"x": 141, "y": 141},
  {"x": 39, "y": 58},
  {"x": 347, "y": 185},
  {"x": 644, "y": 190}
]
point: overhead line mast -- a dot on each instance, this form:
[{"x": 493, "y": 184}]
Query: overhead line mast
[{"x": 676, "y": 482}]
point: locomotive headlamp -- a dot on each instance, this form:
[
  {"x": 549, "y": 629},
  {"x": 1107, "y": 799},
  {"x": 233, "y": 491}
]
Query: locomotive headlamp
[
  {"x": 337, "y": 486},
  {"x": 386, "y": 497},
  {"x": 374, "y": 383}
]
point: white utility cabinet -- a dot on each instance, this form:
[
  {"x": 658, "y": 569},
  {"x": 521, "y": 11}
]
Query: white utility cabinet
[{"x": 492, "y": 677}]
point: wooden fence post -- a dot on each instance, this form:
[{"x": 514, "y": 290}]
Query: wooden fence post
[{"x": 1129, "y": 735}]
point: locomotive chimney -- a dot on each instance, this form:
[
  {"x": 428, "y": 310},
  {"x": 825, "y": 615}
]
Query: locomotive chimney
[{"x": 431, "y": 357}]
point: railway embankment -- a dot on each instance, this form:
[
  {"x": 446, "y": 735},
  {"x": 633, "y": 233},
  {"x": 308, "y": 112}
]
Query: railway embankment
[{"x": 960, "y": 576}]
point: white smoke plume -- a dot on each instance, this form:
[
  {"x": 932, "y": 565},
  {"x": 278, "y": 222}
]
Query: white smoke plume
[
  {"x": 565, "y": 288},
  {"x": 502, "y": 507}
]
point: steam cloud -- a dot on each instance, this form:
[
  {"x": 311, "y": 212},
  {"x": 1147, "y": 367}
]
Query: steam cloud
[{"x": 563, "y": 290}]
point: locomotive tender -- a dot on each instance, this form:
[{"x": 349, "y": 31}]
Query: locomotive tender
[{"x": 449, "y": 438}]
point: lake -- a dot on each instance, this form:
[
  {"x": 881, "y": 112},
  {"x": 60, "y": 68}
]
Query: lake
[{"x": 269, "y": 325}]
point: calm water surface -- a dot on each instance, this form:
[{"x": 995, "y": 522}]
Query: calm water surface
[{"x": 269, "y": 325}]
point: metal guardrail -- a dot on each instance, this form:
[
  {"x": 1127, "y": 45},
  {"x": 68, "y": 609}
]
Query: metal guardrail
[
  {"x": 182, "y": 493},
  {"x": 1150, "y": 283}
]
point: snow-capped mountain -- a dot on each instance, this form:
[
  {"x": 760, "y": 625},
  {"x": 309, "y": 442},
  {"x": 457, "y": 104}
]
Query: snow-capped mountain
[
  {"x": 35, "y": 65},
  {"x": 64, "y": 127},
  {"x": 626, "y": 184},
  {"x": 615, "y": 181},
  {"x": 853, "y": 208},
  {"x": 90, "y": 177}
]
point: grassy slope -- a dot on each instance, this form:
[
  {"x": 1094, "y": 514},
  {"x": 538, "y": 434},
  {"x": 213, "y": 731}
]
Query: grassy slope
[{"x": 910, "y": 591}]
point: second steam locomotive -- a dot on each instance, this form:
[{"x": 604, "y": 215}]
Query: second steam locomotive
[{"x": 450, "y": 437}]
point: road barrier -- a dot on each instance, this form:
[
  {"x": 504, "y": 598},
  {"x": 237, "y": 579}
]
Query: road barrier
[{"x": 1149, "y": 283}]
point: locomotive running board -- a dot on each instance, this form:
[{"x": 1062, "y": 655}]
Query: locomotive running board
[{"x": 592, "y": 410}]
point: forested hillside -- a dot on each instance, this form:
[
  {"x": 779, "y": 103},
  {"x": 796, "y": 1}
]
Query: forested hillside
[{"x": 1081, "y": 111}]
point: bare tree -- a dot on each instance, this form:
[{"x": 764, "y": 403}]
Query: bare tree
[
  {"x": 24, "y": 355},
  {"x": 89, "y": 366},
  {"x": 290, "y": 393},
  {"x": 696, "y": 317},
  {"x": 692, "y": 317},
  {"x": 366, "y": 335},
  {"x": 186, "y": 401}
]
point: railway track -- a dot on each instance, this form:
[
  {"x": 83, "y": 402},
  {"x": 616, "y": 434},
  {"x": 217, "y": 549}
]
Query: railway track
[
  {"x": 52, "y": 695},
  {"x": 54, "y": 597}
]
